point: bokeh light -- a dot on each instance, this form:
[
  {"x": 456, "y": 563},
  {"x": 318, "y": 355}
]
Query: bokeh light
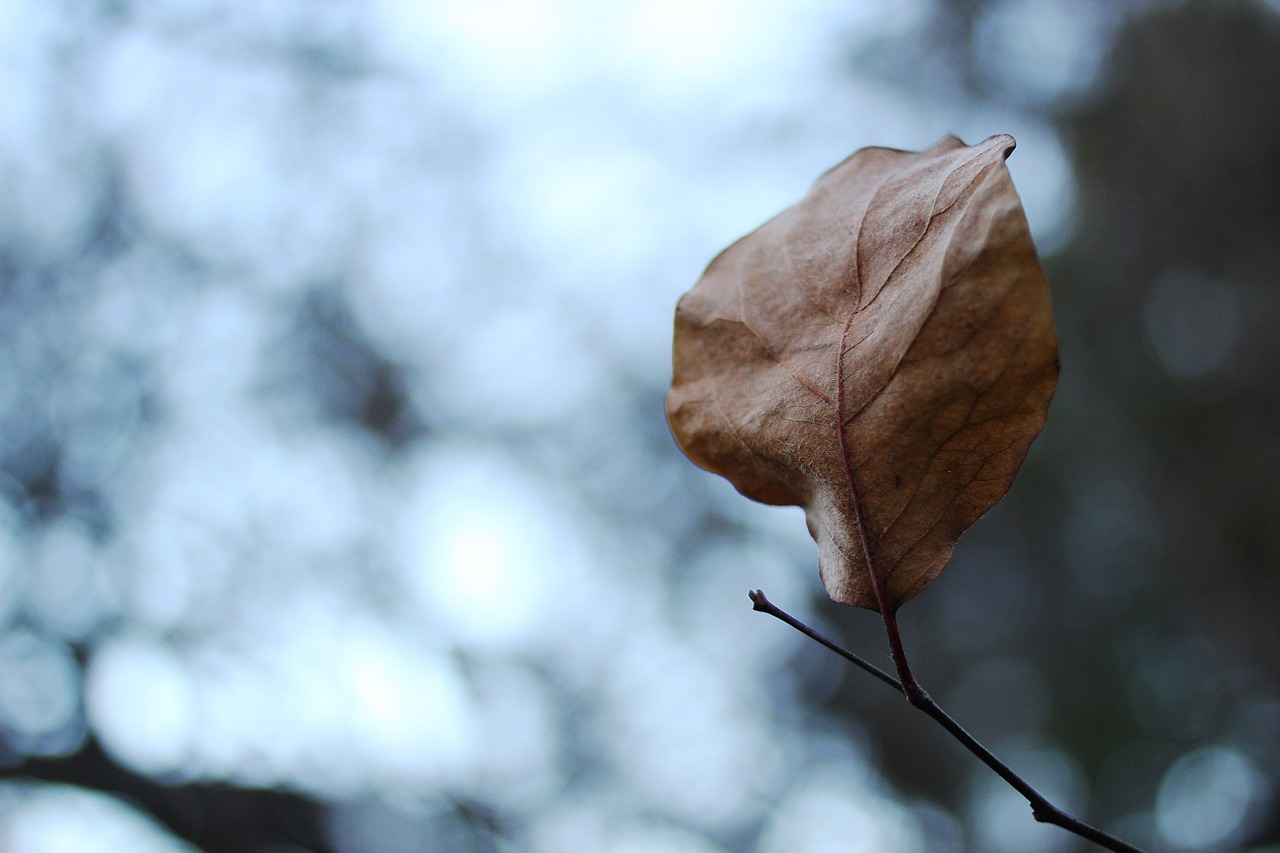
[
  {"x": 58, "y": 819},
  {"x": 338, "y": 512},
  {"x": 1207, "y": 797}
]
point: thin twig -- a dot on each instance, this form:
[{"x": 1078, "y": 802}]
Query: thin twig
[
  {"x": 764, "y": 605},
  {"x": 1043, "y": 810}
]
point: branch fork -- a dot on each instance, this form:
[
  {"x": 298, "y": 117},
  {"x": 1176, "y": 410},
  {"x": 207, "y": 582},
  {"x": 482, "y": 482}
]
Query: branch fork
[{"x": 1043, "y": 810}]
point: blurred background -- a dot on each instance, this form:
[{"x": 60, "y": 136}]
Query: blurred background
[{"x": 338, "y": 512}]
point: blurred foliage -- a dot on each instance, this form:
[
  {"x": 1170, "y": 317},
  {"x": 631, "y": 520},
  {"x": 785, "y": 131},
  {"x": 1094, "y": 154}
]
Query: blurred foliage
[{"x": 339, "y": 513}]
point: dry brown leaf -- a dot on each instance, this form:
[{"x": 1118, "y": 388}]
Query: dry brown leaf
[{"x": 882, "y": 354}]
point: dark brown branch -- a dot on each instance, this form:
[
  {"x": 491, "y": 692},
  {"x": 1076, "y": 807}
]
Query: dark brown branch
[
  {"x": 764, "y": 605},
  {"x": 1043, "y": 810}
]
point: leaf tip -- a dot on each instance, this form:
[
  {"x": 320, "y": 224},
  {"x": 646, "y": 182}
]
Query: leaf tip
[{"x": 1003, "y": 141}]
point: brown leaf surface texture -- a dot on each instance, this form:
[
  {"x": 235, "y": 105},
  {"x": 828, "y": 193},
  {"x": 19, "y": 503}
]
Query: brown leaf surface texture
[{"x": 882, "y": 354}]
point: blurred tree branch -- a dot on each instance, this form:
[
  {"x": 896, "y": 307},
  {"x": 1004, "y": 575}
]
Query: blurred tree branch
[{"x": 214, "y": 817}]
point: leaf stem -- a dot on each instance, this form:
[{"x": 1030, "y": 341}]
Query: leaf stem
[{"x": 1043, "y": 810}]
